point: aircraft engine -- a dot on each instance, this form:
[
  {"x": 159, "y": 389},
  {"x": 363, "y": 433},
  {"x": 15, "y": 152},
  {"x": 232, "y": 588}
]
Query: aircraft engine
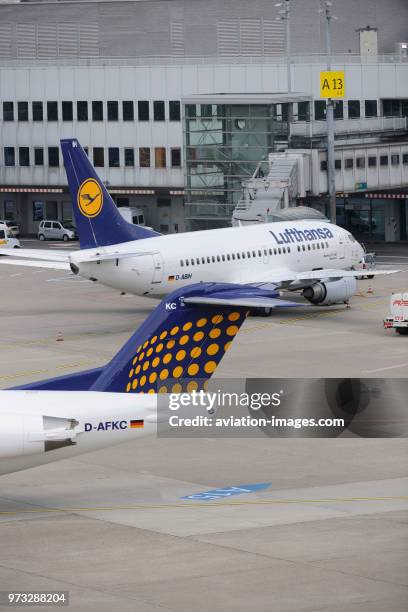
[
  {"x": 332, "y": 292},
  {"x": 30, "y": 434}
]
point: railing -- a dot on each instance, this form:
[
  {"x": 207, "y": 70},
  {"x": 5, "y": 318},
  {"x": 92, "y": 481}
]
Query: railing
[
  {"x": 363, "y": 124},
  {"x": 347, "y": 58}
]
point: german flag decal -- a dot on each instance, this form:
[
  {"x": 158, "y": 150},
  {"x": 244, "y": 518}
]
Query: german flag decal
[
  {"x": 171, "y": 278},
  {"x": 137, "y": 424}
]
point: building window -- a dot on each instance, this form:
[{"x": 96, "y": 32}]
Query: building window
[
  {"x": 303, "y": 111},
  {"x": 360, "y": 162},
  {"x": 354, "y": 109},
  {"x": 395, "y": 159},
  {"x": 51, "y": 210},
  {"x": 97, "y": 110},
  {"x": 82, "y": 110},
  {"x": 144, "y": 157},
  {"x": 337, "y": 164},
  {"x": 174, "y": 110},
  {"x": 372, "y": 162},
  {"x": 191, "y": 111},
  {"x": 370, "y": 108},
  {"x": 99, "y": 157},
  {"x": 338, "y": 109},
  {"x": 38, "y": 211},
  {"x": 129, "y": 158},
  {"x": 52, "y": 111},
  {"x": 158, "y": 110},
  {"x": 391, "y": 108},
  {"x": 163, "y": 202},
  {"x": 67, "y": 112},
  {"x": 160, "y": 157},
  {"x": 320, "y": 110},
  {"x": 39, "y": 157},
  {"x": 405, "y": 158},
  {"x": 127, "y": 110},
  {"x": 113, "y": 155},
  {"x": 8, "y": 111},
  {"x": 53, "y": 157},
  {"x": 22, "y": 110},
  {"x": 206, "y": 111},
  {"x": 143, "y": 110},
  {"x": 38, "y": 111},
  {"x": 113, "y": 110},
  {"x": 383, "y": 160},
  {"x": 323, "y": 165},
  {"x": 176, "y": 157},
  {"x": 9, "y": 156},
  {"x": 349, "y": 163},
  {"x": 24, "y": 156}
]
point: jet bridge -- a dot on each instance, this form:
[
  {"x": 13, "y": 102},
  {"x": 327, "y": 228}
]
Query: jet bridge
[{"x": 273, "y": 187}]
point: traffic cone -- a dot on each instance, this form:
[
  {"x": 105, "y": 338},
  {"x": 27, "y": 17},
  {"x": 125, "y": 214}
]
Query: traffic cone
[{"x": 60, "y": 337}]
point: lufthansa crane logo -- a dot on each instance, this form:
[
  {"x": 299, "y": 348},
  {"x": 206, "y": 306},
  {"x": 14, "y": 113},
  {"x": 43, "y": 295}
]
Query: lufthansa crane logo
[{"x": 90, "y": 198}]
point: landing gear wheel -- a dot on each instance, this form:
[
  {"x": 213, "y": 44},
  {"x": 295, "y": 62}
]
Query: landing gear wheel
[{"x": 261, "y": 312}]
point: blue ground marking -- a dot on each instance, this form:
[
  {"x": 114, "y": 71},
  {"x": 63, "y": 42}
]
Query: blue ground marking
[{"x": 228, "y": 491}]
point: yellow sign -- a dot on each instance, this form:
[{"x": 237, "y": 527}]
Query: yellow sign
[
  {"x": 332, "y": 84},
  {"x": 90, "y": 198}
]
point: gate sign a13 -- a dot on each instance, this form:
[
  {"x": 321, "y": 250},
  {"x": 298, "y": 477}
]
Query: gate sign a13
[{"x": 332, "y": 84}]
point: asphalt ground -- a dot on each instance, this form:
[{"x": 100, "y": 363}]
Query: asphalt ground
[{"x": 328, "y": 533}]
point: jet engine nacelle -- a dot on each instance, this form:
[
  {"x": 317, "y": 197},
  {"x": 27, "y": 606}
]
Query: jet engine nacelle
[
  {"x": 23, "y": 434},
  {"x": 332, "y": 292}
]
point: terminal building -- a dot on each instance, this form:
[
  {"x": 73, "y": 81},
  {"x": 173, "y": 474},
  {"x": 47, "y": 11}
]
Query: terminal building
[{"x": 189, "y": 112}]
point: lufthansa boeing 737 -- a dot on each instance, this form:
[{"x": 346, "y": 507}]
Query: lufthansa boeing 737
[
  {"x": 177, "y": 348},
  {"x": 317, "y": 258}
]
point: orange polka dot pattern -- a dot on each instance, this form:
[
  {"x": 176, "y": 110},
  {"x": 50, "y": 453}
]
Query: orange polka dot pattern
[{"x": 181, "y": 357}]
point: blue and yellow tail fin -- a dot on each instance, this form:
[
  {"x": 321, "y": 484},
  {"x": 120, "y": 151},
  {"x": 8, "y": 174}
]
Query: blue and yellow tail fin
[
  {"x": 98, "y": 221},
  {"x": 177, "y": 348}
]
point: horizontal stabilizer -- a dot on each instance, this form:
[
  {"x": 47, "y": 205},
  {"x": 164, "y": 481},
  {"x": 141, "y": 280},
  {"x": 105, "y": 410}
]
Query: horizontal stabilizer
[
  {"x": 45, "y": 254},
  {"x": 247, "y": 302}
]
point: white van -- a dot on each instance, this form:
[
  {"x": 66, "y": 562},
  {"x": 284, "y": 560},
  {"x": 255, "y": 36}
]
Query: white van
[{"x": 6, "y": 241}]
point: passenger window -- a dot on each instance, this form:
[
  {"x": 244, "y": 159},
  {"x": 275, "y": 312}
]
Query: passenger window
[
  {"x": 233, "y": 256},
  {"x": 187, "y": 263},
  {"x": 260, "y": 253},
  {"x": 279, "y": 251},
  {"x": 228, "y": 257},
  {"x": 298, "y": 248},
  {"x": 192, "y": 262},
  {"x": 208, "y": 259},
  {"x": 181, "y": 263},
  {"x": 2, "y": 234},
  {"x": 243, "y": 255},
  {"x": 313, "y": 246},
  {"x": 254, "y": 253},
  {"x": 318, "y": 246},
  {"x": 238, "y": 256},
  {"x": 198, "y": 261},
  {"x": 327, "y": 244},
  {"x": 213, "y": 259},
  {"x": 203, "y": 260},
  {"x": 218, "y": 258},
  {"x": 223, "y": 257},
  {"x": 303, "y": 247},
  {"x": 322, "y": 245}
]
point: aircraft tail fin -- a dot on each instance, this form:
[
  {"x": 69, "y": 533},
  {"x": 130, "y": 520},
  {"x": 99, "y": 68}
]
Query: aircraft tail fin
[{"x": 98, "y": 221}]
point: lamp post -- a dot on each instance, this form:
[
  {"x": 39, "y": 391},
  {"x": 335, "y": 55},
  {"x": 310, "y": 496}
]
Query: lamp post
[
  {"x": 331, "y": 175},
  {"x": 285, "y": 16}
]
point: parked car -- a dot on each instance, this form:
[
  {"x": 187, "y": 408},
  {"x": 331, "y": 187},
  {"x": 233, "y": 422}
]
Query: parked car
[
  {"x": 12, "y": 226},
  {"x": 7, "y": 241},
  {"x": 56, "y": 230}
]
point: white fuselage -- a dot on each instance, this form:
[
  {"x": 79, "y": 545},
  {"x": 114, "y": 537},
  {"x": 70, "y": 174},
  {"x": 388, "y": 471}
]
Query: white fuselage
[
  {"x": 251, "y": 254},
  {"x": 38, "y": 427}
]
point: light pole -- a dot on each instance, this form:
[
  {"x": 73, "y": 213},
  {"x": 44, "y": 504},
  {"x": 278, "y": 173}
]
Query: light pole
[
  {"x": 285, "y": 16},
  {"x": 331, "y": 173}
]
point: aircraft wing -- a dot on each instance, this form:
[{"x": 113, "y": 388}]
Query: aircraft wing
[
  {"x": 39, "y": 263},
  {"x": 280, "y": 278},
  {"x": 41, "y": 254}
]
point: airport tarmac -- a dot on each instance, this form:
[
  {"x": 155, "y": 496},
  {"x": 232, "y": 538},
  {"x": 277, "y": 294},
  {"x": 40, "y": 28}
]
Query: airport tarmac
[{"x": 330, "y": 531}]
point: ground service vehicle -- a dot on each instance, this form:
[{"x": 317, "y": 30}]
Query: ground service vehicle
[{"x": 398, "y": 318}]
